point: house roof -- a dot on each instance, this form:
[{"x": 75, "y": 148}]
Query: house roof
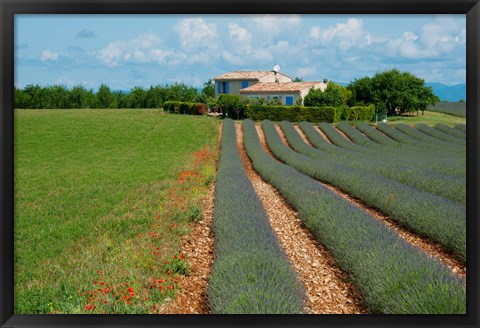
[
  {"x": 245, "y": 75},
  {"x": 280, "y": 87}
]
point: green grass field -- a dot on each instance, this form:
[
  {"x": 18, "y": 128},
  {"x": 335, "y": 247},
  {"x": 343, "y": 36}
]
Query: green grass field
[
  {"x": 429, "y": 118},
  {"x": 88, "y": 185}
]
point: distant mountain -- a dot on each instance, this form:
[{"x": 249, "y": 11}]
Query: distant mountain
[{"x": 451, "y": 93}]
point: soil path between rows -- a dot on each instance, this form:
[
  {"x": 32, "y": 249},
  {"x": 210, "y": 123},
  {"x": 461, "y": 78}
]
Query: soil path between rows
[
  {"x": 431, "y": 248},
  {"x": 327, "y": 291}
]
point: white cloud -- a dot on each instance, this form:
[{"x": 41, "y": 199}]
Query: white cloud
[
  {"x": 305, "y": 72},
  {"x": 241, "y": 37},
  {"x": 49, "y": 55},
  {"x": 142, "y": 49},
  {"x": 195, "y": 33},
  {"x": 343, "y": 35},
  {"x": 275, "y": 24},
  {"x": 409, "y": 36},
  {"x": 232, "y": 58}
]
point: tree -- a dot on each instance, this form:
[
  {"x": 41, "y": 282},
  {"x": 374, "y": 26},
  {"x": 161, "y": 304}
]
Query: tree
[
  {"x": 21, "y": 99},
  {"x": 297, "y": 79},
  {"x": 104, "y": 97},
  {"x": 230, "y": 104},
  {"x": 209, "y": 88},
  {"x": 332, "y": 96},
  {"x": 394, "y": 91},
  {"x": 137, "y": 98}
]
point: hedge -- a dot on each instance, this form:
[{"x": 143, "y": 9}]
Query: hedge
[
  {"x": 362, "y": 113},
  {"x": 290, "y": 113},
  {"x": 438, "y": 218},
  {"x": 178, "y": 107},
  {"x": 250, "y": 274},
  {"x": 393, "y": 276}
]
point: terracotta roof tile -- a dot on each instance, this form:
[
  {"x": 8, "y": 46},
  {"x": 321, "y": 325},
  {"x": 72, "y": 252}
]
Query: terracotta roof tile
[
  {"x": 244, "y": 75},
  {"x": 281, "y": 87}
]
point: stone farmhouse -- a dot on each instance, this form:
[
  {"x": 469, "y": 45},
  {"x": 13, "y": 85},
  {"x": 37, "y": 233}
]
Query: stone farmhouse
[{"x": 265, "y": 84}]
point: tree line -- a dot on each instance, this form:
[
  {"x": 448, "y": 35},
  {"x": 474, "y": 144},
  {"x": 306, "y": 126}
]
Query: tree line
[
  {"x": 392, "y": 92},
  {"x": 34, "y": 96}
]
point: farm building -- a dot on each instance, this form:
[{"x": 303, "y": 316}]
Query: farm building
[{"x": 264, "y": 84}]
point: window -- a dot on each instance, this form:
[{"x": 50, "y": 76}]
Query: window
[
  {"x": 223, "y": 87},
  {"x": 244, "y": 84},
  {"x": 289, "y": 100}
]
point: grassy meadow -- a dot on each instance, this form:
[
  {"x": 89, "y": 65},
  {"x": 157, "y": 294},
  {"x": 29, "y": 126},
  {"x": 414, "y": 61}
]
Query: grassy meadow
[
  {"x": 429, "y": 118},
  {"x": 102, "y": 198}
]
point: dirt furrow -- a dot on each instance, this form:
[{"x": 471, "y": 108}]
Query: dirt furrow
[
  {"x": 431, "y": 248},
  {"x": 325, "y": 283},
  {"x": 324, "y": 136}
]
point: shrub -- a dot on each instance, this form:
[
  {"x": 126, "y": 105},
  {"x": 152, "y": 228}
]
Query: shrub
[
  {"x": 362, "y": 113},
  {"x": 178, "y": 107},
  {"x": 290, "y": 113},
  {"x": 392, "y": 276}
]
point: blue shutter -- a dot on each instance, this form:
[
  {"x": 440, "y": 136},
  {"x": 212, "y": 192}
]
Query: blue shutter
[
  {"x": 227, "y": 87},
  {"x": 244, "y": 84},
  {"x": 219, "y": 87},
  {"x": 289, "y": 100}
]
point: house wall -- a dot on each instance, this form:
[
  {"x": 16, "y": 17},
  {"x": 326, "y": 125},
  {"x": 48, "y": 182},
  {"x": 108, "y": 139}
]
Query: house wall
[
  {"x": 271, "y": 78},
  {"x": 234, "y": 86},
  {"x": 295, "y": 94}
]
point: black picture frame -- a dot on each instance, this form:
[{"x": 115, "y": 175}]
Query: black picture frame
[{"x": 9, "y": 8}]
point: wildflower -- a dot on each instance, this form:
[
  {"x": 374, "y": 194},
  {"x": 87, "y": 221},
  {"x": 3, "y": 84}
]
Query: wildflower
[
  {"x": 182, "y": 256},
  {"x": 88, "y": 307},
  {"x": 130, "y": 289},
  {"x": 128, "y": 302},
  {"x": 170, "y": 287}
]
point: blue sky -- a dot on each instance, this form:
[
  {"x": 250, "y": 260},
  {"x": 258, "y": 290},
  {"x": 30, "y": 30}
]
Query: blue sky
[{"x": 124, "y": 51}]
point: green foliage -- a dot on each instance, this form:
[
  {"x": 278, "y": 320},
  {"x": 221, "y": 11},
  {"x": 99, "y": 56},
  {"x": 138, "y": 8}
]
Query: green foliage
[
  {"x": 290, "y": 113},
  {"x": 251, "y": 274},
  {"x": 209, "y": 88},
  {"x": 393, "y": 91},
  {"x": 232, "y": 106},
  {"x": 392, "y": 276},
  {"x": 362, "y": 113},
  {"x": 178, "y": 107},
  {"x": 57, "y": 96},
  {"x": 334, "y": 95}
]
